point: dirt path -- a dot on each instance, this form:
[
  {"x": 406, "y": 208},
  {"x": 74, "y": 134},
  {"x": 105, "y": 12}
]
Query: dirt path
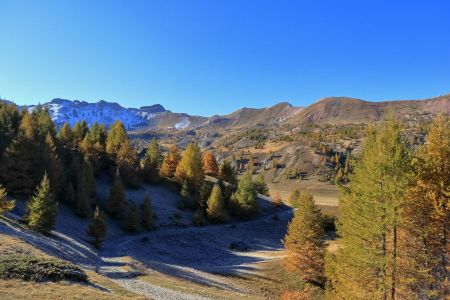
[
  {"x": 200, "y": 255},
  {"x": 76, "y": 252}
]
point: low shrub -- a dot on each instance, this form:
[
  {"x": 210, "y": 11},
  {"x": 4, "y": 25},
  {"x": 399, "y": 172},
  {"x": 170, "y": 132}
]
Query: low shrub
[{"x": 30, "y": 268}]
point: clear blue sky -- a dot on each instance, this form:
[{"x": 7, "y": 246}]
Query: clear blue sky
[{"x": 212, "y": 57}]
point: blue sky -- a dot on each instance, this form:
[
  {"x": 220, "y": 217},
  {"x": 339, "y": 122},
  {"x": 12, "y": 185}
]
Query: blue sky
[{"x": 212, "y": 57}]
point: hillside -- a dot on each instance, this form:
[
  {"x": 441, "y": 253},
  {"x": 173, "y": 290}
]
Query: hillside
[{"x": 343, "y": 109}]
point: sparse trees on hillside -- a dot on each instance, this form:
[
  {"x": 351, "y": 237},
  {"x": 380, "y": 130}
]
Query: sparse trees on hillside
[
  {"x": 97, "y": 228},
  {"x": 152, "y": 162},
  {"x": 304, "y": 242},
  {"x": 170, "y": 162},
  {"x": 210, "y": 166},
  {"x": 5, "y": 205},
  {"x": 42, "y": 208},
  {"x": 216, "y": 210}
]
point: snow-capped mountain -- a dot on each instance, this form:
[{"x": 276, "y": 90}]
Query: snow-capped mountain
[{"x": 67, "y": 111}]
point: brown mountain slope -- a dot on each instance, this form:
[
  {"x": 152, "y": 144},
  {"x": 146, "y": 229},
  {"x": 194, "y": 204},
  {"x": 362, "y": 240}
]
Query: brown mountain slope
[
  {"x": 247, "y": 117},
  {"x": 344, "y": 110}
]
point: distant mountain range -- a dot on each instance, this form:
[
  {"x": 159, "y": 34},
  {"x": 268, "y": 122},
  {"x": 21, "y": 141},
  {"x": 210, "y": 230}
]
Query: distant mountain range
[{"x": 327, "y": 110}]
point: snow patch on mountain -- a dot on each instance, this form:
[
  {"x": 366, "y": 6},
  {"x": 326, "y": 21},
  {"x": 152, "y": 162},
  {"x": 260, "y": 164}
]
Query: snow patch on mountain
[
  {"x": 184, "y": 123},
  {"x": 66, "y": 111}
]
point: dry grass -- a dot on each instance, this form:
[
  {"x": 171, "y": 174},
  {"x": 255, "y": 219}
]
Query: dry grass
[
  {"x": 100, "y": 287},
  {"x": 326, "y": 195}
]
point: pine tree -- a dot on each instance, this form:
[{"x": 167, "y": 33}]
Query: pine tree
[
  {"x": 131, "y": 220},
  {"x": 18, "y": 166},
  {"x": 65, "y": 136},
  {"x": 5, "y": 205},
  {"x": 42, "y": 208},
  {"x": 243, "y": 201},
  {"x": 43, "y": 120},
  {"x": 9, "y": 124},
  {"x": 216, "y": 210},
  {"x": 228, "y": 173},
  {"x": 147, "y": 213},
  {"x": 425, "y": 230},
  {"x": 367, "y": 263},
  {"x": 152, "y": 162},
  {"x": 294, "y": 198},
  {"x": 85, "y": 188},
  {"x": 128, "y": 163},
  {"x": 261, "y": 186},
  {"x": 117, "y": 136},
  {"x": 170, "y": 164},
  {"x": 53, "y": 166},
  {"x": 190, "y": 168},
  {"x": 116, "y": 203},
  {"x": 210, "y": 166},
  {"x": 97, "y": 228},
  {"x": 80, "y": 130},
  {"x": 304, "y": 242}
]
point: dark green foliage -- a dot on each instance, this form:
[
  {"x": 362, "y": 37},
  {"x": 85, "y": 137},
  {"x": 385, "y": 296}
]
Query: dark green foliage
[
  {"x": 228, "y": 173},
  {"x": 20, "y": 168},
  {"x": 79, "y": 132},
  {"x": 147, "y": 213},
  {"x": 261, "y": 186},
  {"x": 131, "y": 220},
  {"x": 5, "y": 205},
  {"x": 204, "y": 194},
  {"x": 97, "y": 228},
  {"x": 31, "y": 268},
  {"x": 9, "y": 124},
  {"x": 152, "y": 162},
  {"x": 199, "y": 218},
  {"x": 116, "y": 203},
  {"x": 42, "y": 208},
  {"x": 243, "y": 202},
  {"x": 216, "y": 210},
  {"x": 85, "y": 188}
]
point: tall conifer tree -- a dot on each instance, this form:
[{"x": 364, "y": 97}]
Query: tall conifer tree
[
  {"x": 425, "y": 226},
  {"x": 367, "y": 263},
  {"x": 42, "y": 208},
  {"x": 170, "y": 163},
  {"x": 304, "y": 242}
]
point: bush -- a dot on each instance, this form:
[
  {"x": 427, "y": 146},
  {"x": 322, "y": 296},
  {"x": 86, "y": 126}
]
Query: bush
[{"x": 30, "y": 268}]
